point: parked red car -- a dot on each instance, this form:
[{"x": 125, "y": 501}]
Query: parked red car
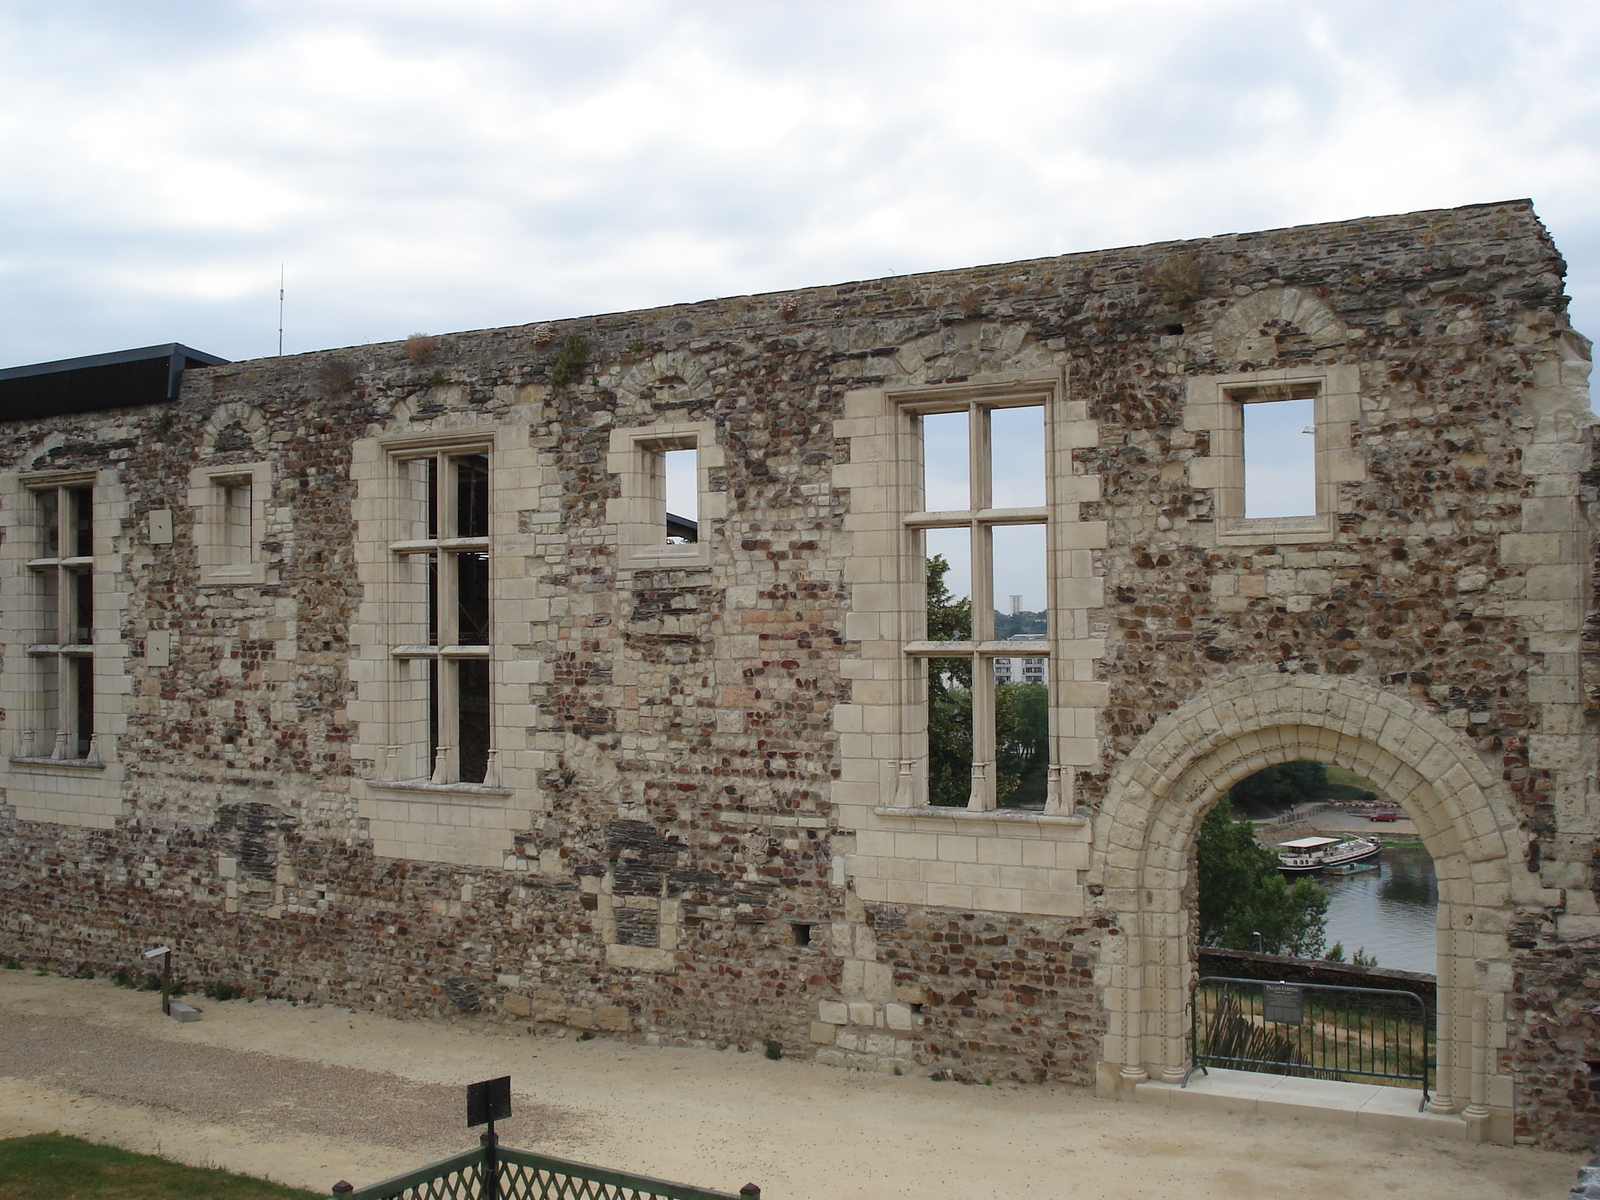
[{"x": 1386, "y": 815}]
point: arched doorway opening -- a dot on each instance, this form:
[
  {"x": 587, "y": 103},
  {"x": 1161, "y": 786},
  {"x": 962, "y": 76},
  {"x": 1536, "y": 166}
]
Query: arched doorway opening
[
  {"x": 1159, "y": 794},
  {"x": 1379, "y": 911}
]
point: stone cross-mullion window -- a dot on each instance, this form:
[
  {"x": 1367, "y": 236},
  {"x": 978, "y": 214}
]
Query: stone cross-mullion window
[
  {"x": 62, "y": 651},
  {"x": 960, "y": 670},
  {"x": 445, "y": 509}
]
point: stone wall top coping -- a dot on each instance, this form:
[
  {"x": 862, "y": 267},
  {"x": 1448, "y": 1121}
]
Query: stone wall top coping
[
  {"x": 463, "y": 791},
  {"x": 77, "y": 764},
  {"x": 1015, "y": 816}
]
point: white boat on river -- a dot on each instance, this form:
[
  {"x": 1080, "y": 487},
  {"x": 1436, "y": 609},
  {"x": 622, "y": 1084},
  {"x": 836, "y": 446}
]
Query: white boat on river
[{"x": 1313, "y": 855}]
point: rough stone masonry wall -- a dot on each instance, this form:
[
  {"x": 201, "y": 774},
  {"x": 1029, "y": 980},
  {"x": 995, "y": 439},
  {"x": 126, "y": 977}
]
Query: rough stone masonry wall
[{"x": 685, "y": 730}]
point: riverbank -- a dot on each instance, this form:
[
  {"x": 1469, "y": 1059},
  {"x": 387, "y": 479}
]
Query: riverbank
[{"x": 311, "y": 1095}]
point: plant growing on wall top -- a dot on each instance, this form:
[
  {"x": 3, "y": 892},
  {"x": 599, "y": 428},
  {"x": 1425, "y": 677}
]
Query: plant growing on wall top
[
  {"x": 1179, "y": 280},
  {"x": 421, "y": 347},
  {"x": 571, "y": 359},
  {"x": 335, "y": 378}
]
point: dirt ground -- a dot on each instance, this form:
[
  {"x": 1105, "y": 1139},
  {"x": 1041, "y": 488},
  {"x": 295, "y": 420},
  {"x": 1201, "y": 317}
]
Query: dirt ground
[{"x": 309, "y": 1096}]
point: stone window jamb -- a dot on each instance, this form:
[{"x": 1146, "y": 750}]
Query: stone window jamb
[{"x": 209, "y": 492}]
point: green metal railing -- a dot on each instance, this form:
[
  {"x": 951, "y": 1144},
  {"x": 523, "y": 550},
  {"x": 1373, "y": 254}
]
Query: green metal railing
[
  {"x": 1310, "y": 1029},
  {"x": 500, "y": 1173}
]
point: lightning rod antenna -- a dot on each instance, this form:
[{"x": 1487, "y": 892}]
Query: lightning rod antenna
[{"x": 280, "y": 310}]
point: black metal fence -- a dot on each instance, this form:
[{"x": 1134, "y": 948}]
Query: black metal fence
[
  {"x": 1311, "y": 1029},
  {"x": 521, "y": 1175}
]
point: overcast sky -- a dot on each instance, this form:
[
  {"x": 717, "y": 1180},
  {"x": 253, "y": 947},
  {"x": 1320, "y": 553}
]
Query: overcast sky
[{"x": 427, "y": 166}]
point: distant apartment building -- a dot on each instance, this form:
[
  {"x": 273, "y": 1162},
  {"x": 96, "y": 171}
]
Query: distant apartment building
[{"x": 1021, "y": 670}]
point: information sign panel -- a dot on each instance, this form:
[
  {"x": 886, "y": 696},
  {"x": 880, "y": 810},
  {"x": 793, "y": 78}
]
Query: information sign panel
[{"x": 1283, "y": 1003}]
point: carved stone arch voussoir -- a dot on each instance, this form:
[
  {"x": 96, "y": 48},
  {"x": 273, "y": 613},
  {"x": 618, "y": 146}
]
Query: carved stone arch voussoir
[
  {"x": 1195, "y": 753},
  {"x": 1251, "y": 329}
]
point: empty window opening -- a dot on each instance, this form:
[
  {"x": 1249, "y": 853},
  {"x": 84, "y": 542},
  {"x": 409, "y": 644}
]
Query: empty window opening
[
  {"x": 472, "y": 598},
  {"x": 949, "y": 560},
  {"x": 1020, "y": 574},
  {"x": 82, "y": 508},
  {"x": 802, "y": 933},
  {"x": 82, "y": 584},
  {"x": 681, "y": 471},
  {"x": 236, "y": 521},
  {"x": 1280, "y": 476},
  {"x": 83, "y": 705},
  {"x": 949, "y": 731},
  {"x": 946, "y": 468},
  {"x": 49, "y": 523},
  {"x": 1016, "y": 446},
  {"x": 472, "y": 496},
  {"x": 472, "y": 718},
  {"x": 1022, "y": 695}
]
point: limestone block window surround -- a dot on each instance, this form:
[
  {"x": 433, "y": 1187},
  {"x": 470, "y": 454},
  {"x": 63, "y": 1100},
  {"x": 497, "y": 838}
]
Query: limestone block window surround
[
  {"x": 648, "y": 535},
  {"x": 230, "y": 503},
  {"x": 1216, "y": 405},
  {"x": 61, "y": 718},
  {"x": 442, "y": 630},
  {"x": 64, "y": 670}
]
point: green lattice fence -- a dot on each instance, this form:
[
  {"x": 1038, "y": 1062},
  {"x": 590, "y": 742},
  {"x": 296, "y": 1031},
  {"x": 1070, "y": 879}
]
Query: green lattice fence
[{"x": 522, "y": 1175}]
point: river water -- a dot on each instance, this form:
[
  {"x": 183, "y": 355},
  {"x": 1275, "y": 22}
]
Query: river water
[{"x": 1389, "y": 911}]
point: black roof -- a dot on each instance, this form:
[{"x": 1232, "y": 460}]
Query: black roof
[{"x": 122, "y": 379}]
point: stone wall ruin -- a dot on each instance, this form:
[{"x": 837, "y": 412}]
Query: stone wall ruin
[{"x": 702, "y": 820}]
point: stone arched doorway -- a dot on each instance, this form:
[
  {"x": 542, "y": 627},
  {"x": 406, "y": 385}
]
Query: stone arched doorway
[{"x": 1158, "y": 796}]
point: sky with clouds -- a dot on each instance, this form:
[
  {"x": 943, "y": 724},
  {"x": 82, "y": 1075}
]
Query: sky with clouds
[{"x": 417, "y": 165}]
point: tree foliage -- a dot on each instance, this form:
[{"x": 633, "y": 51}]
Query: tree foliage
[
  {"x": 1242, "y": 893},
  {"x": 1277, "y": 788},
  {"x": 1021, "y": 710},
  {"x": 949, "y": 694}
]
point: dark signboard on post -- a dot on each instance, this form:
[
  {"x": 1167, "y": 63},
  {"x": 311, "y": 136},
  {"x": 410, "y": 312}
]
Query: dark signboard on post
[{"x": 488, "y": 1102}]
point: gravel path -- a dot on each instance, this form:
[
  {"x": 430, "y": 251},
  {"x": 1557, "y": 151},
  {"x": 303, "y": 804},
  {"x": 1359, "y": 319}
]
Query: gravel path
[
  {"x": 310, "y": 1095},
  {"x": 217, "y": 1085}
]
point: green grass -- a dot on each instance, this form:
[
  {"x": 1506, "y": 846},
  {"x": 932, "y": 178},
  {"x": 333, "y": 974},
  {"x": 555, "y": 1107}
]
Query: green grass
[{"x": 52, "y": 1166}]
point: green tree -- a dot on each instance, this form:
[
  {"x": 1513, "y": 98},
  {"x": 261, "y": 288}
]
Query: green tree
[
  {"x": 1276, "y": 788},
  {"x": 1242, "y": 893},
  {"x": 1021, "y": 714},
  {"x": 949, "y": 694},
  {"x": 1022, "y": 743}
]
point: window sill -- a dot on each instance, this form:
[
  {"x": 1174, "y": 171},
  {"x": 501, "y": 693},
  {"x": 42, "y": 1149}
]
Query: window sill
[
  {"x": 242, "y": 576},
  {"x": 1288, "y": 531},
  {"x": 691, "y": 554},
  {"x": 73, "y": 764},
  {"x": 1004, "y": 816},
  {"x": 459, "y": 790}
]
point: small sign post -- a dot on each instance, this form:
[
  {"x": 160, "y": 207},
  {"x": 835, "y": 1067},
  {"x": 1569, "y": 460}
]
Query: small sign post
[
  {"x": 164, "y": 953},
  {"x": 488, "y": 1102}
]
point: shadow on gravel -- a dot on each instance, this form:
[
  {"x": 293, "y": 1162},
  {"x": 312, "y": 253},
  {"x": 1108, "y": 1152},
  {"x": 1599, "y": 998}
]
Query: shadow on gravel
[{"x": 246, "y": 1087}]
